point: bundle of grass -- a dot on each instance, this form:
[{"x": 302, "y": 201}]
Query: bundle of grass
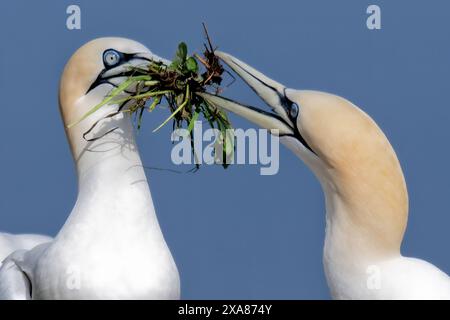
[{"x": 177, "y": 85}]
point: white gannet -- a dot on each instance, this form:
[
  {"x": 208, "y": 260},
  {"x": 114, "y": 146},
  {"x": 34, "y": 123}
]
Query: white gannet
[
  {"x": 111, "y": 246},
  {"x": 365, "y": 191}
]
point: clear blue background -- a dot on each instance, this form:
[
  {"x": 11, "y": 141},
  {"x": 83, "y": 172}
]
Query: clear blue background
[{"x": 234, "y": 233}]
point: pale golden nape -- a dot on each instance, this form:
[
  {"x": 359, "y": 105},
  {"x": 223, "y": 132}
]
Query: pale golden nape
[
  {"x": 80, "y": 72},
  {"x": 360, "y": 165}
]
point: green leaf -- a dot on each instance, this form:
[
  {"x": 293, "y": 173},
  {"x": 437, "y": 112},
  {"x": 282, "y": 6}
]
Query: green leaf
[
  {"x": 191, "y": 64},
  {"x": 182, "y": 52},
  {"x": 175, "y": 64}
]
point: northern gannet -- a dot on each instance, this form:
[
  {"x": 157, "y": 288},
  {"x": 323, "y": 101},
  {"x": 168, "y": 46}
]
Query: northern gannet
[
  {"x": 111, "y": 246},
  {"x": 365, "y": 191}
]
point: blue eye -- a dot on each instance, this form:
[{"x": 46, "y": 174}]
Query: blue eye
[
  {"x": 111, "y": 58},
  {"x": 293, "y": 111}
]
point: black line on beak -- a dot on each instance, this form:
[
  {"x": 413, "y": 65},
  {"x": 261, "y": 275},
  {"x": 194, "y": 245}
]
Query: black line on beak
[
  {"x": 296, "y": 133},
  {"x": 284, "y": 101},
  {"x": 124, "y": 58},
  {"x": 280, "y": 96},
  {"x": 270, "y": 114}
]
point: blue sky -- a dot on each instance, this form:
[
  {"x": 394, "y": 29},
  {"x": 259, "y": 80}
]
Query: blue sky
[{"x": 234, "y": 233}]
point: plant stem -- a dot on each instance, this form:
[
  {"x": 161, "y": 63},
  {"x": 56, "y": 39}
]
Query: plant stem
[
  {"x": 143, "y": 95},
  {"x": 186, "y": 100}
]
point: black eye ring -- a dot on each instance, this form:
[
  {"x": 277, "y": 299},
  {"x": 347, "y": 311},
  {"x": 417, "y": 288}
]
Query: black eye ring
[
  {"x": 293, "y": 110},
  {"x": 111, "y": 58}
]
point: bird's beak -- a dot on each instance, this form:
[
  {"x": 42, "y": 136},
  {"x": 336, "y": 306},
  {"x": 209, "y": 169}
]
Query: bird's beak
[
  {"x": 148, "y": 56},
  {"x": 270, "y": 91},
  {"x": 121, "y": 72}
]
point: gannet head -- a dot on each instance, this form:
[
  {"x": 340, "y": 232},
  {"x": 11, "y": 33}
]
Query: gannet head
[
  {"x": 342, "y": 145},
  {"x": 90, "y": 74}
]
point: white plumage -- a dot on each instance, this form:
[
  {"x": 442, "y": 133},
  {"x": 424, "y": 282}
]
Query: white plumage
[
  {"x": 365, "y": 191},
  {"x": 111, "y": 246}
]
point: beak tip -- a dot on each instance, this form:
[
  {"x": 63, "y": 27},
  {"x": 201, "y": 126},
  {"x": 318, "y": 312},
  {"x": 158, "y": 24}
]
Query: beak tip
[
  {"x": 219, "y": 53},
  {"x": 223, "y": 56},
  {"x": 207, "y": 96}
]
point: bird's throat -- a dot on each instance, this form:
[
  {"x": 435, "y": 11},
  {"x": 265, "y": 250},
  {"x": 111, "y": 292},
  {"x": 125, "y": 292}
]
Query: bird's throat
[
  {"x": 112, "y": 185},
  {"x": 360, "y": 226}
]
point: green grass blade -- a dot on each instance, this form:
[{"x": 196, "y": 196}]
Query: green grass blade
[
  {"x": 186, "y": 100},
  {"x": 193, "y": 119},
  {"x": 123, "y": 86},
  {"x": 143, "y": 95},
  {"x": 155, "y": 102}
]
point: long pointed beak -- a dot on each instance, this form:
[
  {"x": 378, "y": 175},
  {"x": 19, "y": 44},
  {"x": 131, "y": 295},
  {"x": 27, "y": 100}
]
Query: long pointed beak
[
  {"x": 270, "y": 91},
  {"x": 149, "y": 56},
  {"x": 116, "y": 75},
  {"x": 136, "y": 60}
]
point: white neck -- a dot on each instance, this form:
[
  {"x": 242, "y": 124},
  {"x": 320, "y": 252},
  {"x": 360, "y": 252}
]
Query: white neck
[
  {"x": 348, "y": 236},
  {"x": 362, "y": 220},
  {"x": 349, "y": 253},
  {"x": 112, "y": 236},
  {"x": 345, "y": 242},
  {"x": 113, "y": 194},
  {"x": 357, "y": 227}
]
